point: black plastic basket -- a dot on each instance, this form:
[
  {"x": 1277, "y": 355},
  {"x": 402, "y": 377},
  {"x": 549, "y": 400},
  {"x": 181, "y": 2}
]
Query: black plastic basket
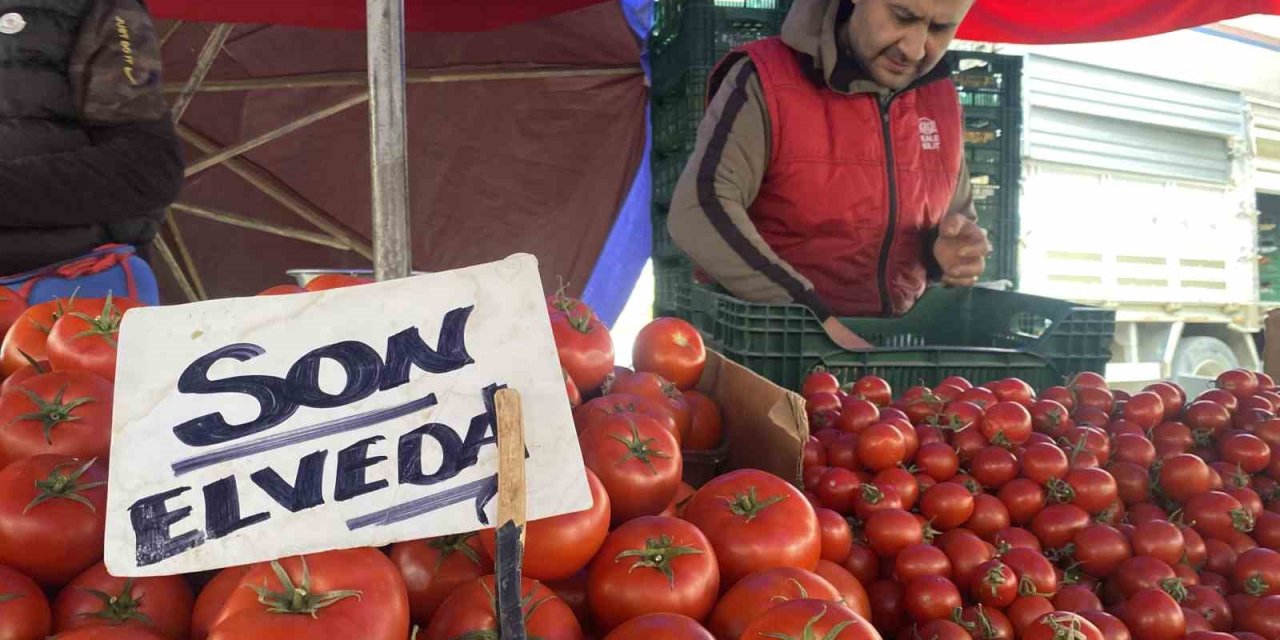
[{"x": 693, "y": 35}]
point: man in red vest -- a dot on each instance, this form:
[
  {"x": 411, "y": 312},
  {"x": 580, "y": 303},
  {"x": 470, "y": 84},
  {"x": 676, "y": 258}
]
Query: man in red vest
[{"x": 829, "y": 168}]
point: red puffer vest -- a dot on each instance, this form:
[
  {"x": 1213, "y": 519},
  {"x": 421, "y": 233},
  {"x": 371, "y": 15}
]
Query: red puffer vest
[{"x": 853, "y": 187}]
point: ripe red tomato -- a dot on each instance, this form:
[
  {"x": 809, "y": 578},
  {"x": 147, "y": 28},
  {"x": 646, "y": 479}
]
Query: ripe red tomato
[
  {"x": 1266, "y": 529},
  {"x": 1241, "y": 383},
  {"x": 1152, "y": 614},
  {"x": 881, "y": 446},
  {"x": 161, "y": 603},
  {"x": 652, "y": 565},
  {"x": 1171, "y": 397},
  {"x": 584, "y": 346},
  {"x": 624, "y": 403},
  {"x": 1246, "y": 450},
  {"x": 811, "y": 619},
  {"x": 871, "y": 498},
  {"x": 1014, "y": 390},
  {"x": 993, "y": 467},
  {"x": 820, "y": 381},
  {"x": 1100, "y": 549},
  {"x": 1026, "y": 610},
  {"x": 873, "y": 389},
  {"x": 937, "y": 460},
  {"x": 1023, "y": 499},
  {"x": 707, "y": 428},
  {"x": 1211, "y": 605},
  {"x": 29, "y": 334},
  {"x": 86, "y": 341},
  {"x": 1087, "y": 379},
  {"x": 215, "y": 594},
  {"x": 1133, "y": 483},
  {"x": 941, "y": 630},
  {"x": 1036, "y": 575},
  {"x": 52, "y": 517},
  {"x": 1077, "y": 597},
  {"x": 838, "y": 488},
  {"x": 558, "y": 547},
  {"x": 1158, "y": 539},
  {"x": 1049, "y": 416},
  {"x": 967, "y": 552},
  {"x": 1257, "y": 572},
  {"x": 1095, "y": 398},
  {"x": 661, "y": 625},
  {"x": 837, "y": 536},
  {"x": 842, "y": 450},
  {"x": 856, "y": 414},
  {"x": 1057, "y": 524},
  {"x": 1141, "y": 572},
  {"x": 756, "y": 521},
  {"x": 327, "y": 281},
  {"x": 990, "y": 516},
  {"x": 110, "y": 633},
  {"x": 757, "y": 592},
  {"x": 63, "y": 412},
  {"x": 947, "y": 505},
  {"x": 931, "y": 598},
  {"x": 24, "y": 610},
  {"x": 1007, "y": 424},
  {"x": 852, "y": 593},
  {"x": 1184, "y": 476},
  {"x": 920, "y": 560},
  {"x": 891, "y": 530},
  {"x": 1145, "y": 409},
  {"x": 638, "y": 462},
  {"x": 995, "y": 585},
  {"x": 469, "y": 613},
  {"x": 1217, "y": 515},
  {"x": 11, "y": 307},
  {"x": 981, "y": 397},
  {"x": 380, "y": 612},
  {"x": 673, "y": 349},
  {"x": 28, "y": 371},
  {"x": 1128, "y": 447},
  {"x": 1044, "y": 462},
  {"x": 1093, "y": 489},
  {"x": 903, "y": 483},
  {"x": 863, "y": 563}
]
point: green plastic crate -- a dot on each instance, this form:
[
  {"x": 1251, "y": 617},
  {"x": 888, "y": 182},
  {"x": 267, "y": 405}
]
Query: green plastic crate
[
  {"x": 673, "y": 283},
  {"x": 978, "y": 333},
  {"x": 664, "y": 248},
  {"x": 676, "y": 114}
]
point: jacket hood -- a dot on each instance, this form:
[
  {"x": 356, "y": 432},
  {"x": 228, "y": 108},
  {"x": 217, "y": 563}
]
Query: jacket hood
[{"x": 810, "y": 28}]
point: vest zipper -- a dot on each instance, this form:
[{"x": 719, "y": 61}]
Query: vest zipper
[{"x": 882, "y": 274}]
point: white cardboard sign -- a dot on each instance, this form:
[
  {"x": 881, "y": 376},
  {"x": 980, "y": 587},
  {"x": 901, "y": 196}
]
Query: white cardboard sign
[{"x": 250, "y": 429}]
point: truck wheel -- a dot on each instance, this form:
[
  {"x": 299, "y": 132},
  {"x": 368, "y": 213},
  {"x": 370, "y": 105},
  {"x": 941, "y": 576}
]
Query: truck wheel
[{"x": 1203, "y": 357}]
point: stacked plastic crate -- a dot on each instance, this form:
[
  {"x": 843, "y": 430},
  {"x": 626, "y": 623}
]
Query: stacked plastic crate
[{"x": 689, "y": 38}]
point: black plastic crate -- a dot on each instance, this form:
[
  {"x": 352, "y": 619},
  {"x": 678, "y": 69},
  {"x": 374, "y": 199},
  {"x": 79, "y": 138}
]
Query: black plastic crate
[
  {"x": 666, "y": 168},
  {"x": 987, "y": 80},
  {"x": 693, "y": 35},
  {"x": 676, "y": 114},
  {"x": 673, "y": 281},
  {"x": 664, "y": 248},
  {"x": 978, "y": 333}
]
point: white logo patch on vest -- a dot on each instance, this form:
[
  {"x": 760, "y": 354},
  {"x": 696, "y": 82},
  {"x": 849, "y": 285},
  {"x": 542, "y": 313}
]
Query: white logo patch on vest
[
  {"x": 11, "y": 23},
  {"x": 930, "y": 139}
]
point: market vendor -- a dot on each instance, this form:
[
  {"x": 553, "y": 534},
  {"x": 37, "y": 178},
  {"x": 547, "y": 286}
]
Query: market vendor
[
  {"x": 88, "y": 155},
  {"x": 829, "y": 168}
]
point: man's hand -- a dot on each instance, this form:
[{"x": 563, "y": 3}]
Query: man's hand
[
  {"x": 961, "y": 250},
  {"x": 843, "y": 337}
]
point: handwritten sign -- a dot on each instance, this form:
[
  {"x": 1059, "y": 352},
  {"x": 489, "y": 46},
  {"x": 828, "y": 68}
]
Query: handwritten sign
[{"x": 255, "y": 428}]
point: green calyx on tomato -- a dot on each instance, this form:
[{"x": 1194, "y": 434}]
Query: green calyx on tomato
[
  {"x": 1202, "y": 437},
  {"x": 58, "y": 312},
  {"x": 35, "y": 364},
  {"x": 1255, "y": 586},
  {"x": 1175, "y": 588},
  {"x": 1027, "y": 588},
  {"x": 54, "y": 412},
  {"x": 1064, "y": 627},
  {"x": 298, "y": 599},
  {"x": 118, "y": 608},
  {"x": 9, "y": 597},
  {"x": 749, "y": 505},
  {"x": 1060, "y": 490},
  {"x": 638, "y": 448},
  {"x": 105, "y": 325},
  {"x": 1242, "y": 519},
  {"x": 982, "y": 624},
  {"x": 809, "y": 634},
  {"x": 449, "y": 545},
  {"x": 994, "y": 579},
  {"x": 581, "y": 322},
  {"x": 658, "y": 554},
  {"x": 64, "y": 486},
  {"x": 527, "y": 605},
  {"x": 871, "y": 493}
]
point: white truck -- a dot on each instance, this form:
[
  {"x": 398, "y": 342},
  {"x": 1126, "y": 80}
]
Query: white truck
[{"x": 1150, "y": 172}]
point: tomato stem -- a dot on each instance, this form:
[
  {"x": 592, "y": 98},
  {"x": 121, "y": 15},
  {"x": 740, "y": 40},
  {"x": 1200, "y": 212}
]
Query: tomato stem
[
  {"x": 1242, "y": 519},
  {"x": 658, "y": 554},
  {"x": 638, "y": 448},
  {"x": 809, "y": 634},
  {"x": 65, "y": 486},
  {"x": 449, "y": 545},
  {"x": 52, "y": 413},
  {"x": 749, "y": 505},
  {"x": 120, "y": 607},
  {"x": 298, "y": 599},
  {"x": 1175, "y": 588},
  {"x": 1256, "y": 586}
]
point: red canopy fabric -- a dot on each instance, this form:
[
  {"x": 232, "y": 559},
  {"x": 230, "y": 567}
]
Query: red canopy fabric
[
  {"x": 1075, "y": 21},
  {"x": 420, "y": 15}
]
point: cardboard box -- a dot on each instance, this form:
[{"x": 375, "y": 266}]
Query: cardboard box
[{"x": 765, "y": 426}]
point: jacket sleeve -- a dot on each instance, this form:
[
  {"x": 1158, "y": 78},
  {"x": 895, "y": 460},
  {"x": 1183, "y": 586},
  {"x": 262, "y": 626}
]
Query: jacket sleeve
[
  {"x": 133, "y": 166},
  {"x": 961, "y": 203},
  {"x": 708, "y": 217}
]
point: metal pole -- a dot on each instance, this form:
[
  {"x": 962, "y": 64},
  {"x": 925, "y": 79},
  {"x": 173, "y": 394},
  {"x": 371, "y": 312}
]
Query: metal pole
[{"x": 387, "y": 140}]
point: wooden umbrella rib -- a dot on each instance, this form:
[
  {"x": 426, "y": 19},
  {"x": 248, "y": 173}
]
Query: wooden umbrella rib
[
  {"x": 208, "y": 54},
  {"x": 258, "y": 225},
  {"x": 323, "y": 80},
  {"x": 218, "y": 158},
  {"x": 280, "y": 192},
  {"x": 178, "y": 240},
  {"x": 167, "y": 255}
]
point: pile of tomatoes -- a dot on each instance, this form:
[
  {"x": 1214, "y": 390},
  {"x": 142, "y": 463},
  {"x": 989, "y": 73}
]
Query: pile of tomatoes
[{"x": 995, "y": 513}]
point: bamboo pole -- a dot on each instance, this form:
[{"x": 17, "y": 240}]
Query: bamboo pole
[
  {"x": 218, "y": 158},
  {"x": 173, "y": 28},
  {"x": 280, "y": 192},
  {"x": 258, "y": 225},
  {"x": 208, "y": 54},
  {"x": 185, "y": 253},
  {"x": 323, "y": 80},
  {"x": 167, "y": 255},
  {"x": 388, "y": 139}
]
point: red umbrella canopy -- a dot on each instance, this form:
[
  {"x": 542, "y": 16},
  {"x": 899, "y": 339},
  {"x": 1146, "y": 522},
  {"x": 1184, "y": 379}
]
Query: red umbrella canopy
[
  {"x": 420, "y": 15},
  {"x": 1075, "y": 21}
]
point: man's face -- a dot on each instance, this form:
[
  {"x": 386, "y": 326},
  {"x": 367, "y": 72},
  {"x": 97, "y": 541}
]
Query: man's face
[{"x": 898, "y": 41}]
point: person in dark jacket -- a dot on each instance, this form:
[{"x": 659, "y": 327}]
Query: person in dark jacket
[
  {"x": 88, "y": 153},
  {"x": 829, "y": 168}
]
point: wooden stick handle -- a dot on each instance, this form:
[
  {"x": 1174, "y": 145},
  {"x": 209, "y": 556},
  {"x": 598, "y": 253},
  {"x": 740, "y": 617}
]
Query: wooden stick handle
[{"x": 511, "y": 514}]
